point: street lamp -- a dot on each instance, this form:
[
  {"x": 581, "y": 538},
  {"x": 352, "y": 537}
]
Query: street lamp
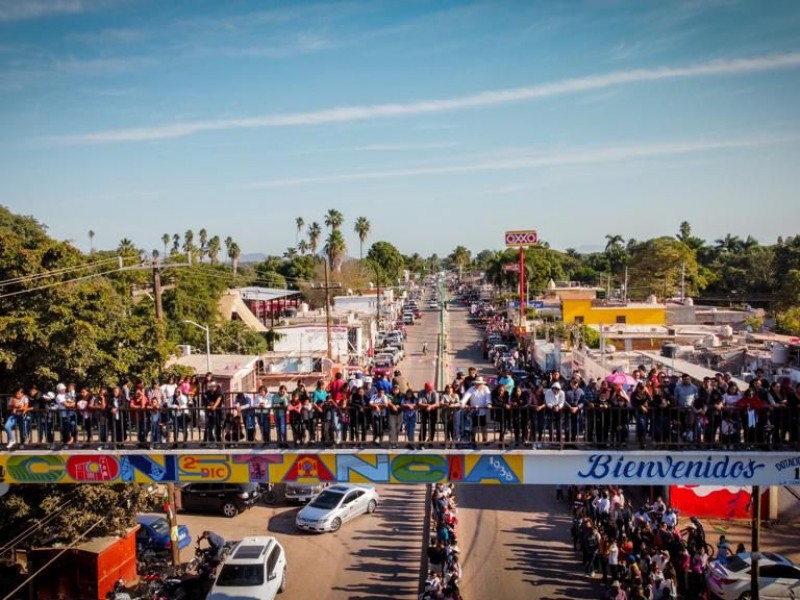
[{"x": 208, "y": 342}]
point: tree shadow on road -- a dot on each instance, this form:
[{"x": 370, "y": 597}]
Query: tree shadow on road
[
  {"x": 393, "y": 557},
  {"x": 540, "y": 560}
]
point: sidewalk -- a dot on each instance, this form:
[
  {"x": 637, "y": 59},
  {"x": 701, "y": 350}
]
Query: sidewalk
[{"x": 782, "y": 538}]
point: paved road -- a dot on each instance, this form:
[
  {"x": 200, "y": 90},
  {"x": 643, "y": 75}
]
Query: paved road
[
  {"x": 371, "y": 557},
  {"x": 514, "y": 540}
]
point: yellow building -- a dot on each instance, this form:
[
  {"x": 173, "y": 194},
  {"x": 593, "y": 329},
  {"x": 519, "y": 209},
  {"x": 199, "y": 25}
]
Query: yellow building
[{"x": 606, "y": 312}]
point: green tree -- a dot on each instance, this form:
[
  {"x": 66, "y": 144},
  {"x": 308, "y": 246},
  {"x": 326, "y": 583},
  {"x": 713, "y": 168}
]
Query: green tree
[
  {"x": 91, "y": 241},
  {"x": 314, "y": 233},
  {"x": 64, "y": 512},
  {"x": 234, "y": 252},
  {"x": 165, "y": 240},
  {"x": 656, "y": 266},
  {"x": 303, "y": 246},
  {"x": 203, "y": 238},
  {"x": 188, "y": 242},
  {"x": 386, "y": 261},
  {"x": 234, "y": 337},
  {"x": 460, "y": 257},
  {"x": 362, "y": 228},
  {"x": 176, "y": 243},
  {"x": 334, "y": 219},
  {"x": 482, "y": 259},
  {"x": 685, "y": 236},
  {"x": 787, "y": 322},
  {"x": 214, "y": 248},
  {"x": 299, "y": 223},
  {"x": 416, "y": 264},
  {"x": 335, "y": 249}
]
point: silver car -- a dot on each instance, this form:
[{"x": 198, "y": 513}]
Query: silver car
[
  {"x": 778, "y": 577},
  {"x": 336, "y": 505}
]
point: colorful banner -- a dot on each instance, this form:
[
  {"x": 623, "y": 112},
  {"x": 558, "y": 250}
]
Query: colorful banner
[
  {"x": 487, "y": 467},
  {"x": 373, "y": 468},
  {"x": 663, "y": 468}
]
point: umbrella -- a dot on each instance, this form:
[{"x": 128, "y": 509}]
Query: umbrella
[{"x": 620, "y": 379}]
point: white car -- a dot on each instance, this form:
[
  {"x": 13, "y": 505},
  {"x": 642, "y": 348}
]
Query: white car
[
  {"x": 256, "y": 570},
  {"x": 778, "y": 577},
  {"x": 336, "y": 505}
]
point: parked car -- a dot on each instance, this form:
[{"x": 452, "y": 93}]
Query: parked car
[
  {"x": 408, "y": 318},
  {"x": 336, "y": 505},
  {"x": 384, "y": 355},
  {"x": 778, "y": 577},
  {"x": 256, "y": 570},
  {"x": 303, "y": 492},
  {"x": 382, "y": 367},
  {"x": 227, "y": 498},
  {"x": 433, "y": 304},
  {"x": 153, "y": 533}
]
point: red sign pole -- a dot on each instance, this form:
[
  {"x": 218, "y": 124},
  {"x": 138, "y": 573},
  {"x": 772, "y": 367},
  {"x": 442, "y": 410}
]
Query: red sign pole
[{"x": 521, "y": 287}]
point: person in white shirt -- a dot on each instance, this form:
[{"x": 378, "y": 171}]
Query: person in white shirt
[
  {"x": 479, "y": 397},
  {"x": 670, "y": 519},
  {"x": 554, "y": 401}
]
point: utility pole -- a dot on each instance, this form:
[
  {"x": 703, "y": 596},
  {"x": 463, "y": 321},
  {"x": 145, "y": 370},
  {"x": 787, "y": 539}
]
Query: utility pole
[
  {"x": 755, "y": 543},
  {"x": 328, "y": 324},
  {"x": 683, "y": 283},
  {"x": 172, "y": 513},
  {"x": 625, "y": 295}
]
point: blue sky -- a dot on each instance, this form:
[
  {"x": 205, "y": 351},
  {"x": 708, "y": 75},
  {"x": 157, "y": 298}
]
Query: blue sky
[{"x": 443, "y": 123}]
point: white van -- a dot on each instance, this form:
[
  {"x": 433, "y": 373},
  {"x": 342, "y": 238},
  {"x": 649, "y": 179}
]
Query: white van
[{"x": 256, "y": 570}]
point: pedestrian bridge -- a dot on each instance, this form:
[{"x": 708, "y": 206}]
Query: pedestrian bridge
[{"x": 703, "y": 467}]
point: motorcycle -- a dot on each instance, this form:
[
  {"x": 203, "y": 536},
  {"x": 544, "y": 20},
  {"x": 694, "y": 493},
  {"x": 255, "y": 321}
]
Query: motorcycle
[{"x": 205, "y": 561}]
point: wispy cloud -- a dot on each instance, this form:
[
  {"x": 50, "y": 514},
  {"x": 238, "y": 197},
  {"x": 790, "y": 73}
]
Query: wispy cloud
[
  {"x": 567, "y": 157},
  {"x": 100, "y": 66},
  {"x": 480, "y": 100},
  {"x": 109, "y": 36},
  {"x": 20, "y": 10},
  {"x": 302, "y": 43},
  {"x": 17, "y": 10}
]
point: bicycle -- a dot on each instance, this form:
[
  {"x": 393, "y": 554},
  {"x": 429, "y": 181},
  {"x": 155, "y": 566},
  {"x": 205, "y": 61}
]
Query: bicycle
[{"x": 694, "y": 536}]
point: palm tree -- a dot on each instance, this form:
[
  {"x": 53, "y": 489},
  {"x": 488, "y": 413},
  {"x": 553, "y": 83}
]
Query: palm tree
[
  {"x": 300, "y": 223},
  {"x": 176, "y": 243},
  {"x": 203, "y": 235},
  {"x": 214, "y": 246},
  {"x": 335, "y": 248},
  {"x": 165, "y": 240},
  {"x": 290, "y": 253},
  {"x": 126, "y": 247},
  {"x": 314, "y": 232},
  {"x": 730, "y": 243},
  {"x": 303, "y": 246},
  {"x": 91, "y": 241},
  {"x": 614, "y": 241},
  {"x": 188, "y": 242},
  {"x": 748, "y": 243},
  {"x": 234, "y": 252},
  {"x": 334, "y": 219},
  {"x": 228, "y": 244},
  {"x": 362, "y": 229}
]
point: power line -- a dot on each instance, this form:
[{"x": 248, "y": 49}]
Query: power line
[
  {"x": 36, "y": 573},
  {"x": 29, "y": 532},
  {"x": 50, "y": 285},
  {"x": 62, "y": 271}
]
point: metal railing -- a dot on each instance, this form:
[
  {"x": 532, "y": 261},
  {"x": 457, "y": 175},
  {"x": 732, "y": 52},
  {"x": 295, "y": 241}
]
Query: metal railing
[{"x": 328, "y": 425}]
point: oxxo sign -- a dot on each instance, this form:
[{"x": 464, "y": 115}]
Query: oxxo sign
[{"x": 522, "y": 238}]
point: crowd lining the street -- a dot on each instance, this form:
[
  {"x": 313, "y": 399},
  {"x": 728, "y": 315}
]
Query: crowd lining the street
[
  {"x": 641, "y": 554},
  {"x": 444, "y": 572}
]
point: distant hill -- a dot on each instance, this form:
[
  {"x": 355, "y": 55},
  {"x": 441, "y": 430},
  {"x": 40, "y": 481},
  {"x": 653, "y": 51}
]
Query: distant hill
[{"x": 253, "y": 257}]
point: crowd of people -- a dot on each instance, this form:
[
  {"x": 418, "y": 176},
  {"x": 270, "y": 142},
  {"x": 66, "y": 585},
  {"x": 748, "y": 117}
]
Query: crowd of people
[
  {"x": 442, "y": 581},
  {"x": 520, "y": 409},
  {"x": 644, "y": 553}
]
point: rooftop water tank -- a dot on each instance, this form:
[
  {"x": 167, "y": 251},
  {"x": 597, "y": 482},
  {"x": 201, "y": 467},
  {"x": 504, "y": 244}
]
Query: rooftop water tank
[{"x": 780, "y": 354}]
